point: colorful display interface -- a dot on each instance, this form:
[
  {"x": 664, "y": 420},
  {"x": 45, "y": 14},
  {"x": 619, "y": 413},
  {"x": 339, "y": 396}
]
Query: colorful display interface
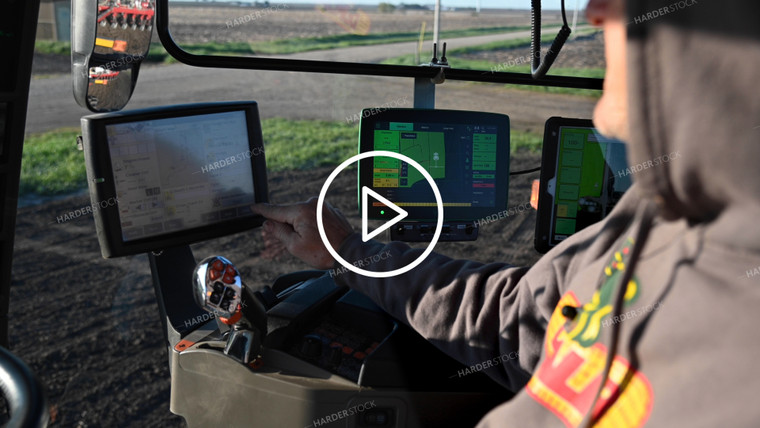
[
  {"x": 460, "y": 158},
  {"x": 588, "y": 185}
]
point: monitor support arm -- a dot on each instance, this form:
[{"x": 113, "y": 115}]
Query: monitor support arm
[{"x": 424, "y": 88}]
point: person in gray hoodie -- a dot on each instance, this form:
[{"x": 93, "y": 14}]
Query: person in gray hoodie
[{"x": 649, "y": 316}]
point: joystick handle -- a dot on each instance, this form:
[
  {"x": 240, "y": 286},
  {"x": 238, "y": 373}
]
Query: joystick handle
[{"x": 218, "y": 288}]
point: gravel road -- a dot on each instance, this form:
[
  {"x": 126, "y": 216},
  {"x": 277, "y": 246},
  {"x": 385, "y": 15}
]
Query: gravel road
[{"x": 309, "y": 95}]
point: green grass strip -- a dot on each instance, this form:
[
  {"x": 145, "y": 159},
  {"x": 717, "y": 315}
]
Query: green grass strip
[
  {"x": 52, "y": 47},
  {"x": 52, "y": 165}
]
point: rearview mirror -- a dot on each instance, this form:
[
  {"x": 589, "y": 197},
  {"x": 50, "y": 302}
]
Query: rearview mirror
[{"x": 110, "y": 39}]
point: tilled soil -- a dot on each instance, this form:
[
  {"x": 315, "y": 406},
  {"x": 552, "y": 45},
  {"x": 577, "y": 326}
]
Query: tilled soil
[
  {"x": 586, "y": 51},
  {"x": 89, "y": 327},
  {"x": 281, "y": 21}
]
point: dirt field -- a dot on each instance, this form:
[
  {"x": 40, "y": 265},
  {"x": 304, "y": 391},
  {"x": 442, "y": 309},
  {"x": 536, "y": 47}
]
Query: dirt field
[
  {"x": 280, "y": 21},
  {"x": 586, "y": 51}
]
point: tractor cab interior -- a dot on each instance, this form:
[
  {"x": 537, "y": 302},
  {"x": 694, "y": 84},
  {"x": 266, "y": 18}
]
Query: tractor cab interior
[{"x": 299, "y": 349}]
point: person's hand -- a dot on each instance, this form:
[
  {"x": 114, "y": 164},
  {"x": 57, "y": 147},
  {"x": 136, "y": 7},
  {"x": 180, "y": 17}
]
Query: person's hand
[{"x": 295, "y": 228}]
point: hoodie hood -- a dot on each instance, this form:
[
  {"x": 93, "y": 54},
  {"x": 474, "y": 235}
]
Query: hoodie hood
[{"x": 694, "y": 104}]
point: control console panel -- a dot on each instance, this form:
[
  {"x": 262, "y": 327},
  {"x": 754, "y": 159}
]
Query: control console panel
[{"x": 423, "y": 232}]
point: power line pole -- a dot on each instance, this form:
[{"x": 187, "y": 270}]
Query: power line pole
[
  {"x": 575, "y": 17},
  {"x": 436, "y": 20}
]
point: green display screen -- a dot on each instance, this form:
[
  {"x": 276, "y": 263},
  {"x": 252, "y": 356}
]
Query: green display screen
[
  {"x": 461, "y": 159},
  {"x": 587, "y": 186},
  {"x": 465, "y": 153}
]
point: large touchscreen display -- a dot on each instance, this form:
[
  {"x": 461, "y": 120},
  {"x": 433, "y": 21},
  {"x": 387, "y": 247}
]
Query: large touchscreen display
[
  {"x": 179, "y": 173},
  {"x": 464, "y": 169},
  {"x": 466, "y": 154}
]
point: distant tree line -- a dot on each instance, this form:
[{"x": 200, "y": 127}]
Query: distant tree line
[
  {"x": 390, "y": 8},
  {"x": 405, "y": 6}
]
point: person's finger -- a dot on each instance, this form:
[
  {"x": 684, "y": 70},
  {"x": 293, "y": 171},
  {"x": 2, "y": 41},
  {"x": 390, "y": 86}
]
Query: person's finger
[
  {"x": 273, "y": 248},
  {"x": 279, "y": 213},
  {"x": 268, "y": 235},
  {"x": 282, "y": 232}
]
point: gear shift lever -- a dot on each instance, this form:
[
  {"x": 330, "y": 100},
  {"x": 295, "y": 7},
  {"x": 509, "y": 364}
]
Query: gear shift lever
[{"x": 218, "y": 288}]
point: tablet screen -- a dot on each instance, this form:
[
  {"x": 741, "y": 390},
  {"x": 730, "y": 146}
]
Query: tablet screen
[
  {"x": 176, "y": 174},
  {"x": 179, "y": 173},
  {"x": 583, "y": 177}
]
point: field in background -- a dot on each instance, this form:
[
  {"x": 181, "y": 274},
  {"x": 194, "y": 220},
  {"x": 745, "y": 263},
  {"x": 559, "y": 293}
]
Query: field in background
[
  {"x": 307, "y": 44},
  {"x": 52, "y": 166},
  {"x": 207, "y": 24}
]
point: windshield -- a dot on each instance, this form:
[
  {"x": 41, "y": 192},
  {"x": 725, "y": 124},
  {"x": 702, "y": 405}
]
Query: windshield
[{"x": 478, "y": 36}]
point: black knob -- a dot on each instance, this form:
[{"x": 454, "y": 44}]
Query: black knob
[
  {"x": 569, "y": 312},
  {"x": 336, "y": 355},
  {"x": 311, "y": 346}
]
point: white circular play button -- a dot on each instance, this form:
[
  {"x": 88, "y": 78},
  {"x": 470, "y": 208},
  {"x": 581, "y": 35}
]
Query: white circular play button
[{"x": 367, "y": 192}]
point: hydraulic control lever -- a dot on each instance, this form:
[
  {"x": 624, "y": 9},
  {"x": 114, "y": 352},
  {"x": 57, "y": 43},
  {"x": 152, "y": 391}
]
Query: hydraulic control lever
[{"x": 218, "y": 288}]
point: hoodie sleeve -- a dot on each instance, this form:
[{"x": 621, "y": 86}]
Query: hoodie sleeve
[{"x": 477, "y": 312}]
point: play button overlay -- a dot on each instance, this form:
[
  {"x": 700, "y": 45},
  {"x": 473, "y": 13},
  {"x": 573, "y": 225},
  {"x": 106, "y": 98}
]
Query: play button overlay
[
  {"x": 366, "y": 193},
  {"x": 402, "y": 214}
]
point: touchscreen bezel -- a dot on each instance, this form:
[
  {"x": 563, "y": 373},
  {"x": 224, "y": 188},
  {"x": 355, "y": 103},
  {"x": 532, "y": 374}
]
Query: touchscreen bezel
[
  {"x": 544, "y": 237},
  {"x": 100, "y": 178},
  {"x": 369, "y": 117}
]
